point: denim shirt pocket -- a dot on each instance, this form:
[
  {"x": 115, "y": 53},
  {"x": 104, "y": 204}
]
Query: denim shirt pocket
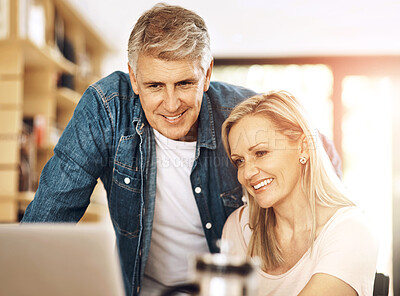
[
  {"x": 232, "y": 198},
  {"x": 126, "y": 181},
  {"x": 125, "y": 201}
]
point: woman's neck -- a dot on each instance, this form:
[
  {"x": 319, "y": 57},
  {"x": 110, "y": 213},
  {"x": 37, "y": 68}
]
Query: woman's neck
[{"x": 294, "y": 215}]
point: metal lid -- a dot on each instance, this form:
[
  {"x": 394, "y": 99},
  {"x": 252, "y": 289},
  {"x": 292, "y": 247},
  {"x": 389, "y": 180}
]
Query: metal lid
[{"x": 223, "y": 264}]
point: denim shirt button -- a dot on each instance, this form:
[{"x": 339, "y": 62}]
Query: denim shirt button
[
  {"x": 127, "y": 180},
  {"x": 197, "y": 190},
  {"x": 208, "y": 225}
]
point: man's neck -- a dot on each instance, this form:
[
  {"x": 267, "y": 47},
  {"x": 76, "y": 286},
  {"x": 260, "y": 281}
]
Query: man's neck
[{"x": 191, "y": 136}]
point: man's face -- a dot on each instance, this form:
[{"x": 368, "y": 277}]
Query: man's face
[{"x": 171, "y": 93}]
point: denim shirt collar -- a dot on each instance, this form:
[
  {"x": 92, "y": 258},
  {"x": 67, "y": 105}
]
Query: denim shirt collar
[
  {"x": 139, "y": 118},
  {"x": 206, "y": 131}
]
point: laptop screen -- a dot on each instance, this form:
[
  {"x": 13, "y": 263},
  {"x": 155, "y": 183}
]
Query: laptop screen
[{"x": 59, "y": 259}]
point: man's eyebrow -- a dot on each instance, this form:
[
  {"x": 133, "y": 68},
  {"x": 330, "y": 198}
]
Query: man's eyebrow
[
  {"x": 152, "y": 82},
  {"x": 189, "y": 79}
]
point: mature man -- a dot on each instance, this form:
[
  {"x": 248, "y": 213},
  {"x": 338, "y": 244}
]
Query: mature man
[{"x": 153, "y": 138}]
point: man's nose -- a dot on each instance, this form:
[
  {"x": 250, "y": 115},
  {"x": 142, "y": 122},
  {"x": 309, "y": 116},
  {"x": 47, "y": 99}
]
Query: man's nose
[{"x": 171, "y": 100}]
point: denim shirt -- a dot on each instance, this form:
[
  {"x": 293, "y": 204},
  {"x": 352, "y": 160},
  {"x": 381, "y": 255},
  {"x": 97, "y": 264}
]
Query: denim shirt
[{"x": 109, "y": 138}]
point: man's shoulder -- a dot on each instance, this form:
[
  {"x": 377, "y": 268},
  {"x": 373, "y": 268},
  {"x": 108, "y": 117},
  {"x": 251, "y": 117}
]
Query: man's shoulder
[
  {"x": 116, "y": 76},
  {"x": 115, "y": 83},
  {"x": 228, "y": 95}
]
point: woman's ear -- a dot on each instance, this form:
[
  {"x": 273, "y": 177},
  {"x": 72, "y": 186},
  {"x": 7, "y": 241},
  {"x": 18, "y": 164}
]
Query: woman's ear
[{"x": 304, "y": 147}]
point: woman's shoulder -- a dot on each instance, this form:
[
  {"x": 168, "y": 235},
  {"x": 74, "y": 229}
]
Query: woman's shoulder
[
  {"x": 347, "y": 248},
  {"x": 351, "y": 222},
  {"x": 349, "y": 215},
  {"x": 236, "y": 217},
  {"x": 233, "y": 231}
]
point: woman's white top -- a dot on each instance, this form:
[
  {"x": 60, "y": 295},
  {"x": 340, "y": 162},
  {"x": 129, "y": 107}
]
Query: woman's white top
[{"x": 345, "y": 248}]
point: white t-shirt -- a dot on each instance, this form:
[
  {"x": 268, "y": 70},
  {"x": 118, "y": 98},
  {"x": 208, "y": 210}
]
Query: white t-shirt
[
  {"x": 177, "y": 228},
  {"x": 345, "y": 248}
]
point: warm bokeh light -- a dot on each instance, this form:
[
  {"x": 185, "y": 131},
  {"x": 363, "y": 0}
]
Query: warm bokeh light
[
  {"x": 312, "y": 84},
  {"x": 367, "y": 153},
  {"x": 366, "y": 131}
]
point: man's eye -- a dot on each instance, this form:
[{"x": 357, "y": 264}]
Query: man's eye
[
  {"x": 153, "y": 86},
  {"x": 185, "y": 83}
]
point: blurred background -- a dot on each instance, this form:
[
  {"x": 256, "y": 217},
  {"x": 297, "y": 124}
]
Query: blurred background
[{"x": 340, "y": 58}]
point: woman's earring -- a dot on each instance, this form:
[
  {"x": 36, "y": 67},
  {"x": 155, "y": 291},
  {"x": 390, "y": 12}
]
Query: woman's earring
[
  {"x": 244, "y": 199},
  {"x": 303, "y": 160}
]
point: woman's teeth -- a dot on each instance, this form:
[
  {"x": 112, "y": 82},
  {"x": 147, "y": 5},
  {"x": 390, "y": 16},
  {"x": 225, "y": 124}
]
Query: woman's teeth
[
  {"x": 173, "y": 117},
  {"x": 262, "y": 184}
]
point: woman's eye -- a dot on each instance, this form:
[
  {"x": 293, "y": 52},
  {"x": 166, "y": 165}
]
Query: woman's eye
[
  {"x": 238, "y": 162},
  {"x": 261, "y": 153}
]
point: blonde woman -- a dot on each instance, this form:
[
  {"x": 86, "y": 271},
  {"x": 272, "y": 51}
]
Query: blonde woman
[{"x": 311, "y": 239}]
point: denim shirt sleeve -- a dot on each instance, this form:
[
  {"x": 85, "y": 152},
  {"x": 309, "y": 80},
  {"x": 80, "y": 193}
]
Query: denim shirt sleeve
[{"x": 68, "y": 178}]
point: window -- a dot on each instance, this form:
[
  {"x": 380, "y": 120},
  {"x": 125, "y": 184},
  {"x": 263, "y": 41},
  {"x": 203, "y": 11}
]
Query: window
[
  {"x": 312, "y": 84},
  {"x": 367, "y": 153},
  {"x": 350, "y": 100}
]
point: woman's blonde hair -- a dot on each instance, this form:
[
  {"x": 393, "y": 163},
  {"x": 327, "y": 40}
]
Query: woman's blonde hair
[
  {"x": 171, "y": 33},
  {"x": 320, "y": 183}
]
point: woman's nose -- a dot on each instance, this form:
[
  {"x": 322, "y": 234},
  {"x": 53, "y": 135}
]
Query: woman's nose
[{"x": 250, "y": 169}]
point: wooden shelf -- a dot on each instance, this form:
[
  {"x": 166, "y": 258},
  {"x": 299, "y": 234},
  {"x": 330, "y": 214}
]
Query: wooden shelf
[
  {"x": 24, "y": 199},
  {"x": 67, "y": 98},
  {"x": 47, "y": 148},
  {"x": 94, "y": 213},
  {"x": 35, "y": 56},
  {"x": 40, "y": 56},
  {"x": 93, "y": 39},
  {"x": 30, "y": 79}
]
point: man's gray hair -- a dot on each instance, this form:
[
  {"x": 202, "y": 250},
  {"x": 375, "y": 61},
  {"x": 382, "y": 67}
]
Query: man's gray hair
[{"x": 170, "y": 33}]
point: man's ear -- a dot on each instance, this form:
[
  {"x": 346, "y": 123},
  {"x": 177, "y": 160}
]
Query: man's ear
[
  {"x": 132, "y": 77},
  {"x": 208, "y": 76}
]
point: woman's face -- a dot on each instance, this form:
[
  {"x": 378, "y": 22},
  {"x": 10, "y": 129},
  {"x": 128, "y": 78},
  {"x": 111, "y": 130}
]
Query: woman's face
[{"x": 267, "y": 161}]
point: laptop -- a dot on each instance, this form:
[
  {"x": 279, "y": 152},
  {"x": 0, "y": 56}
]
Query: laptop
[{"x": 59, "y": 260}]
